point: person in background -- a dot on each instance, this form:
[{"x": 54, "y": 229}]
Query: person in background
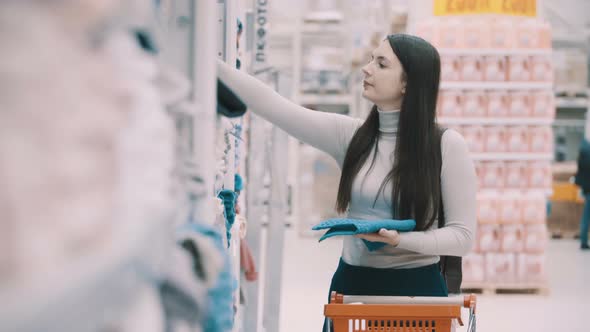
[{"x": 583, "y": 180}]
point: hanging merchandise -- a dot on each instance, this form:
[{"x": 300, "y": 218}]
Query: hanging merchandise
[
  {"x": 220, "y": 314},
  {"x": 221, "y": 154},
  {"x": 145, "y": 40},
  {"x": 85, "y": 163},
  {"x": 174, "y": 88},
  {"x": 182, "y": 296},
  {"x": 59, "y": 160},
  {"x": 145, "y": 315},
  {"x": 102, "y": 160},
  {"x": 208, "y": 262},
  {"x": 240, "y": 29},
  {"x": 179, "y": 308},
  {"x": 237, "y": 133},
  {"x": 239, "y": 183},
  {"x": 146, "y": 147},
  {"x": 228, "y": 104},
  {"x": 247, "y": 263},
  {"x": 229, "y": 200}
]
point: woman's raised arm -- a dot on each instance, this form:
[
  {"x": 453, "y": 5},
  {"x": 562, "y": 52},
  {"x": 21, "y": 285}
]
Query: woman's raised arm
[{"x": 328, "y": 132}]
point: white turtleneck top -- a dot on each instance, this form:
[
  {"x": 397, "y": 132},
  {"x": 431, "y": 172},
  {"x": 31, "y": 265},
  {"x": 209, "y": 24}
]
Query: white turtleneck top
[{"x": 332, "y": 133}]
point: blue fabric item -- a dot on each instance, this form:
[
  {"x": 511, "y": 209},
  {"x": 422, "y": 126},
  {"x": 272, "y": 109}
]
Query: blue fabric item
[
  {"x": 229, "y": 201},
  {"x": 220, "y": 315},
  {"x": 342, "y": 226},
  {"x": 239, "y": 183}
]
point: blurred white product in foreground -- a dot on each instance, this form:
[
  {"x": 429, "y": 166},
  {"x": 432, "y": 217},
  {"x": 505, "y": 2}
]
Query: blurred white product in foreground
[{"x": 85, "y": 146}]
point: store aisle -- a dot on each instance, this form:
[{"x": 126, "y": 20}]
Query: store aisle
[{"x": 308, "y": 267}]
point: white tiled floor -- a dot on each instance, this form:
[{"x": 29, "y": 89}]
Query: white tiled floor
[{"x": 308, "y": 267}]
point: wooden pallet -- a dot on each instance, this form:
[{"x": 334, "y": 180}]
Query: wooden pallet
[{"x": 491, "y": 288}]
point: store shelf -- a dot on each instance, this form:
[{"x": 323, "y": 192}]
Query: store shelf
[
  {"x": 541, "y": 288},
  {"x": 325, "y": 99},
  {"x": 495, "y": 121},
  {"x": 571, "y": 123},
  {"x": 313, "y": 28},
  {"x": 324, "y": 16},
  {"x": 494, "y": 51},
  {"x": 497, "y": 85},
  {"x": 578, "y": 102},
  {"x": 525, "y": 192},
  {"x": 93, "y": 289},
  {"x": 514, "y": 156}
]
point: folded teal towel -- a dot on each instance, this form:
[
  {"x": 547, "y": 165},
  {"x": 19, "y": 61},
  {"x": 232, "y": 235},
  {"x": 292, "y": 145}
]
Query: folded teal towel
[{"x": 340, "y": 226}]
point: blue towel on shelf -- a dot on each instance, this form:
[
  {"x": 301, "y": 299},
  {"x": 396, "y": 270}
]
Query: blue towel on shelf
[
  {"x": 229, "y": 202},
  {"x": 342, "y": 226},
  {"x": 220, "y": 312}
]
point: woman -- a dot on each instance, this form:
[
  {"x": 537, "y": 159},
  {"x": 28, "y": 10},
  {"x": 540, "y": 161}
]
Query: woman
[{"x": 395, "y": 164}]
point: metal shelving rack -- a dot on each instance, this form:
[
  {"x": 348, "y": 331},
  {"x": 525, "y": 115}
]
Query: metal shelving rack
[{"x": 306, "y": 29}]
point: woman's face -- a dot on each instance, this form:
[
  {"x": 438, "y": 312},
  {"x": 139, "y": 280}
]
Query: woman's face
[{"x": 384, "y": 84}]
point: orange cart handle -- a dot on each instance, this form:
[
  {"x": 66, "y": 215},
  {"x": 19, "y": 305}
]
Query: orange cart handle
[{"x": 467, "y": 301}]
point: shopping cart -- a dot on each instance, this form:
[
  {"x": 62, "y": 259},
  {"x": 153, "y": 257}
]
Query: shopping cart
[{"x": 348, "y": 313}]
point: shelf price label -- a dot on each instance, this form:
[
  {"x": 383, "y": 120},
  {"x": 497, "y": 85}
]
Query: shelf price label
[{"x": 473, "y": 7}]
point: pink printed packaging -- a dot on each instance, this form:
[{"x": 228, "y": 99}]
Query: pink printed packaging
[
  {"x": 541, "y": 139},
  {"x": 512, "y": 238},
  {"x": 488, "y": 208},
  {"x": 495, "y": 140},
  {"x": 488, "y": 238},
  {"x": 545, "y": 38},
  {"x": 519, "y": 68},
  {"x": 501, "y": 34},
  {"x": 531, "y": 268},
  {"x": 479, "y": 173},
  {"x": 515, "y": 175},
  {"x": 534, "y": 209},
  {"x": 476, "y": 33},
  {"x": 450, "y": 104},
  {"x": 475, "y": 138},
  {"x": 498, "y": 103},
  {"x": 428, "y": 30},
  {"x": 450, "y": 68},
  {"x": 451, "y": 33},
  {"x": 511, "y": 208},
  {"x": 517, "y": 140},
  {"x": 492, "y": 175},
  {"x": 543, "y": 105},
  {"x": 474, "y": 104},
  {"x": 495, "y": 68},
  {"x": 501, "y": 267},
  {"x": 536, "y": 238},
  {"x": 528, "y": 34},
  {"x": 542, "y": 68},
  {"x": 473, "y": 268},
  {"x": 471, "y": 68},
  {"x": 520, "y": 104},
  {"x": 540, "y": 175}
]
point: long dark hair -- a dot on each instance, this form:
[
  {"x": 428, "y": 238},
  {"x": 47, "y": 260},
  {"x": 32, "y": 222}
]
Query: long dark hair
[{"x": 415, "y": 175}]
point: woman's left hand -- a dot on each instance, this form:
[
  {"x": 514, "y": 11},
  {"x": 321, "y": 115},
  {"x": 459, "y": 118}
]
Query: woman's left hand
[{"x": 384, "y": 235}]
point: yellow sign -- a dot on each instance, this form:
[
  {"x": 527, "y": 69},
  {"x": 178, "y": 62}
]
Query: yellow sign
[{"x": 470, "y": 7}]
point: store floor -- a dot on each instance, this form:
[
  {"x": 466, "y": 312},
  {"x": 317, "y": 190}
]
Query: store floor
[{"x": 308, "y": 267}]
